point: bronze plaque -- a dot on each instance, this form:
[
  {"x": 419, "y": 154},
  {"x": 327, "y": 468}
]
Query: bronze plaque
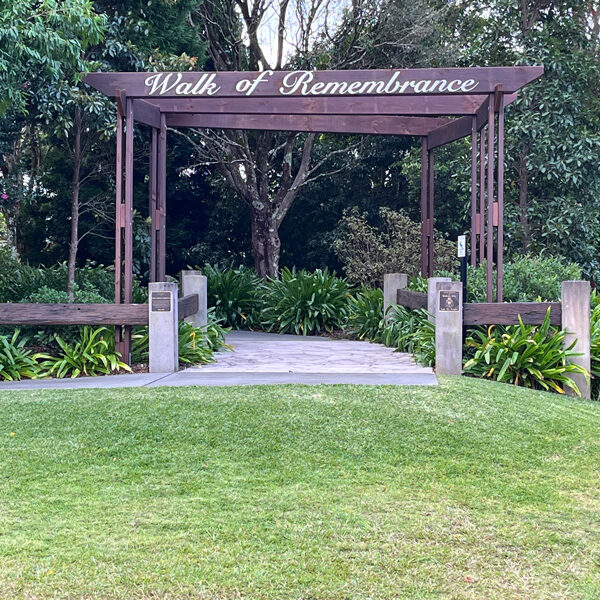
[
  {"x": 161, "y": 301},
  {"x": 449, "y": 301}
]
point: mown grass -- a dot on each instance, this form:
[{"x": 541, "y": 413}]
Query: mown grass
[{"x": 472, "y": 490}]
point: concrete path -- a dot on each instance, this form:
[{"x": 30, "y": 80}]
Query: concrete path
[{"x": 267, "y": 358}]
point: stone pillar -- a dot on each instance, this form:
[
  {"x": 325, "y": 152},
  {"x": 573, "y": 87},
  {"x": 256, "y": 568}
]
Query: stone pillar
[
  {"x": 448, "y": 328},
  {"x": 193, "y": 282},
  {"x": 392, "y": 282},
  {"x": 162, "y": 327},
  {"x": 432, "y": 295},
  {"x": 576, "y": 320}
]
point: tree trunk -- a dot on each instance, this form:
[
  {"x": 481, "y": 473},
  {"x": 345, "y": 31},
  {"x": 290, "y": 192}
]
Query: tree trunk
[
  {"x": 10, "y": 221},
  {"x": 523, "y": 184},
  {"x": 265, "y": 243},
  {"x": 75, "y": 186}
]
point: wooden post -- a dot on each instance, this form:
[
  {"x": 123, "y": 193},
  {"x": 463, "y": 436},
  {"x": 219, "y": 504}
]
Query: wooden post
[
  {"x": 162, "y": 198},
  {"x": 430, "y": 190},
  {"x": 153, "y": 200},
  {"x": 119, "y": 226},
  {"x": 482, "y": 195},
  {"x": 474, "y": 191},
  {"x": 576, "y": 320},
  {"x": 500, "y": 241},
  {"x": 128, "y": 225},
  {"x": 490, "y": 202},
  {"x": 424, "y": 183}
]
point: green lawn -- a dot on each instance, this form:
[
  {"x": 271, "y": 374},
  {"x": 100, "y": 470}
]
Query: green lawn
[{"x": 469, "y": 490}]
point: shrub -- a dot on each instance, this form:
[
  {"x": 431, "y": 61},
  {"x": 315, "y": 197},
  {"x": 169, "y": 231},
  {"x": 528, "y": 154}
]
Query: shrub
[
  {"x": 369, "y": 252},
  {"x": 410, "y": 331},
  {"x": 235, "y": 295},
  {"x": 87, "y": 295},
  {"x": 19, "y": 281},
  {"x": 196, "y": 346},
  {"x": 526, "y": 279},
  {"x": 16, "y": 360},
  {"x": 91, "y": 354},
  {"x": 365, "y": 320},
  {"x": 304, "y": 303},
  {"x": 527, "y": 355}
]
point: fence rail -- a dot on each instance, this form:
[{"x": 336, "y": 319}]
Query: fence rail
[
  {"x": 410, "y": 299},
  {"x": 86, "y": 314},
  {"x": 188, "y": 305},
  {"x": 507, "y": 313},
  {"x": 73, "y": 314},
  {"x": 492, "y": 313}
]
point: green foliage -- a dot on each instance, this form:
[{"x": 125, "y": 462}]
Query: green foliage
[
  {"x": 16, "y": 360},
  {"x": 527, "y": 355},
  {"x": 94, "y": 282},
  {"x": 47, "y": 295},
  {"x": 42, "y": 41},
  {"x": 198, "y": 344},
  {"x": 526, "y": 279},
  {"x": 234, "y": 294},
  {"x": 366, "y": 312},
  {"x": 410, "y": 331},
  {"x": 368, "y": 252},
  {"x": 305, "y": 303},
  {"x": 418, "y": 283},
  {"x": 92, "y": 354}
]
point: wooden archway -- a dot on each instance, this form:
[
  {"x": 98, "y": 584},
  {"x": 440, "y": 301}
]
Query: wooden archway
[{"x": 438, "y": 105}]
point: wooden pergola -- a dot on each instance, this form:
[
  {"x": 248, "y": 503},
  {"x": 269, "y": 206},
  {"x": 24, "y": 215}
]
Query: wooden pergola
[{"x": 438, "y": 105}]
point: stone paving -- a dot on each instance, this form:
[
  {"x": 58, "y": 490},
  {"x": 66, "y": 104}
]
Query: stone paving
[{"x": 267, "y": 358}]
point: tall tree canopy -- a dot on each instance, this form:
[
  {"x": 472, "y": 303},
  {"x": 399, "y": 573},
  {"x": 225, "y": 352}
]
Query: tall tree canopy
[{"x": 267, "y": 170}]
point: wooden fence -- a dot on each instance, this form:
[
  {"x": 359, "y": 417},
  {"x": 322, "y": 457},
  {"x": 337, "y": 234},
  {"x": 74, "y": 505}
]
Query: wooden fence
[
  {"x": 86, "y": 314},
  {"x": 491, "y": 313}
]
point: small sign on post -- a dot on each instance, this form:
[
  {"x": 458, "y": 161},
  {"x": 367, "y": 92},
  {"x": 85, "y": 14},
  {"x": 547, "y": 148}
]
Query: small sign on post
[
  {"x": 449, "y": 301},
  {"x": 462, "y": 246},
  {"x": 161, "y": 301},
  {"x": 462, "y": 254}
]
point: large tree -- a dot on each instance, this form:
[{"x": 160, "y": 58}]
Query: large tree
[
  {"x": 267, "y": 170},
  {"x": 552, "y": 136},
  {"x": 42, "y": 43}
]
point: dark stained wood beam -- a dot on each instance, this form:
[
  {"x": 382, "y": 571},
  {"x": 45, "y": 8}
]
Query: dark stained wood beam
[
  {"x": 146, "y": 113},
  {"x": 461, "y": 128},
  {"x": 73, "y": 314},
  {"x": 188, "y": 305},
  {"x": 419, "y": 82},
  {"x": 376, "y": 105},
  {"x": 378, "y": 125},
  {"x": 410, "y": 299},
  {"x": 456, "y": 130},
  {"x": 494, "y": 313},
  {"x": 121, "y": 98}
]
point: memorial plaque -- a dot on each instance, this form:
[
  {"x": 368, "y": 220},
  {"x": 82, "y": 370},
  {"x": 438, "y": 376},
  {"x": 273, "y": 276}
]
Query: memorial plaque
[
  {"x": 161, "y": 301},
  {"x": 449, "y": 301}
]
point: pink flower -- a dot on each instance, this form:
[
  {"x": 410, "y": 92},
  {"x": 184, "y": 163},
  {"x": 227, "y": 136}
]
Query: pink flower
[{"x": 4, "y": 196}]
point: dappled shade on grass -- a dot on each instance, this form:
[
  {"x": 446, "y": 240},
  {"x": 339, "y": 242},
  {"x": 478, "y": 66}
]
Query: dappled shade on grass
[{"x": 468, "y": 490}]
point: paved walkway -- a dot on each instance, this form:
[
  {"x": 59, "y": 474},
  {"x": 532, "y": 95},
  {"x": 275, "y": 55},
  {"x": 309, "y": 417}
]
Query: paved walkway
[{"x": 268, "y": 358}]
